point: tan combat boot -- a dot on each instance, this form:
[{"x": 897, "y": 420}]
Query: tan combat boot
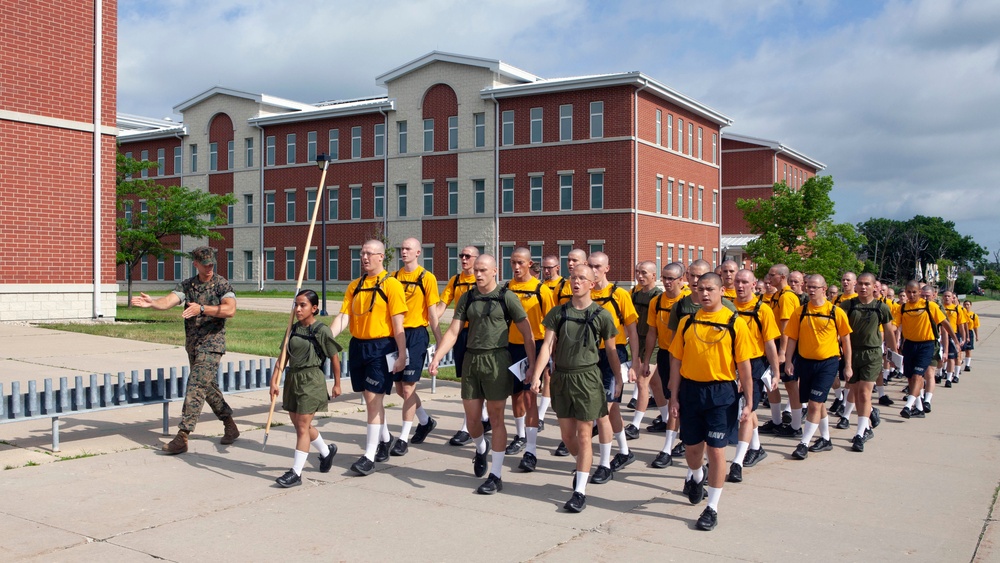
[
  {"x": 232, "y": 432},
  {"x": 178, "y": 445}
]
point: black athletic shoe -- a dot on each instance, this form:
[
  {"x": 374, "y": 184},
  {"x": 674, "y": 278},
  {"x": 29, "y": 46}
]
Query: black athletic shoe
[
  {"x": 460, "y": 438},
  {"x": 382, "y": 452},
  {"x": 836, "y": 406},
  {"x": 621, "y": 460},
  {"x": 576, "y": 503},
  {"x": 786, "y": 417},
  {"x": 937, "y": 379},
  {"x": 631, "y": 404},
  {"x": 663, "y": 459},
  {"x": 678, "y": 450},
  {"x": 541, "y": 425},
  {"x": 363, "y": 466},
  {"x": 602, "y": 475},
  {"x": 735, "y": 473},
  {"x": 927, "y": 407},
  {"x": 528, "y": 462},
  {"x": 955, "y": 379},
  {"x": 968, "y": 368},
  {"x": 765, "y": 403},
  {"x": 561, "y": 450},
  {"x": 492, "y": 486},
  {"x": 631, "y": 432},
  {"x": 289, "y": 479},
  {"x": 708, "y": 520},
  {"x": 869, "y": 434},
  {"x": 875, "y": 417},
  {"x": 768, "y": 427},
  {"x": 695, "y": 490},
  {"x": 821, "y": 444},
  {"x": 914, "y": 413},
  {"x": 651, "y": 404},
  {"x": 885, "y": 401},
  {"x": 753, "y": 457},
  {"x": 858, "y": 443},
  {"x": 947, "y": 384},
  {"x": 801, "y": 452},
  {"x": 657, "y": 427},
  {"x": 420, "y": 434},
  {"x": 786, "y": 431},
  {"x": 843, "y": 423},
  {"x": 905, "y": 413},
  {"x": 594, "y": 431},
  {"x": 326, "y": 462},
  {"x": 479, "y": 461},
  {"x": 399, "y": 449},
  {"x": 487, "y": 426},
  {"x": 516, "y": 445}
]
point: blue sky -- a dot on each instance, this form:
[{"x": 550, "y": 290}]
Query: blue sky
[{"x": 900, "y": 99}]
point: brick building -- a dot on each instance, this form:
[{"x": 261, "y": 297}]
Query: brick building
[
  {"x": 57, "y": 159},
  {"x": 751, "y": 167},
  {"x": 460, "y": 151}
]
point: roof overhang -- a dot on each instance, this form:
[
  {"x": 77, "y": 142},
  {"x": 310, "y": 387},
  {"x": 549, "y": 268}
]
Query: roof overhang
[
  {"x": 737, "y": 241},
  {"x": 140, "y": 128},
  {"x": 313, "y": 113},
  {"x": 257, "y": 98},
  {"x": 492, "y": 65},
  {"x": 777, "y": 147}
]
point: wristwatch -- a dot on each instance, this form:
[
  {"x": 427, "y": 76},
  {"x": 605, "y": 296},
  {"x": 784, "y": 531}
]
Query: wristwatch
[{"x": 202, "y": 309}]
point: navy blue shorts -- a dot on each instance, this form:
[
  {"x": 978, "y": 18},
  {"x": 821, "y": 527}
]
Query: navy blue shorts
[
  {"x": 517, "y": 354},
  {"x": 608, "y": 376},
  {"x": 663, "y": 370},
  {"x": 458, "y": 351},
  {"x": 917, "y": 356},
  {"x": 417, "y": 341},
  {"x": 757, "y": 368},
  {"x": 815, "y": 378},
  {"x": 709, "y": 412},
  {"x": 953, "y": 349},
  {"x": 367, "y": 364},
  {"x": 785, "y": 378},
  {"x": 970, "y": 344}
]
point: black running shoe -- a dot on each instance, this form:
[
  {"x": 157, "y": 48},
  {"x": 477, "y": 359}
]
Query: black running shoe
[
  {"x": 460, "y": 438},
  {"x": 621, "y": 460},
  {"x": 289, "y": 479},
  {"x": 768, "y": 427},
  {"x": 786, "y": 417},
  {"x": 753, "y": 457},
  {"x": 708, "y": 520},
  {"x": 678, "y": 450},
  {"x": 492, "y": 486},
  {"x": 869, "y": 434},
  {"x": 968, "y": 368},
  {"x": 602, "y": 475},
  {"x": 399, "y": 449},
  {"x": 927, "y": 407},
  {"x": 735, "y": 473},
  {"x": 836, "y": 406},
  {"x": 631, "y": 404},
  {"x": 420, "y": 434},
  {"x": 487, "y": 426},
  {"x": 695, "y": 490},
  {"x": 843, "y": 423},
  {"x": 947, "y": 384},
  {"x": 326, "y": 462},
  {"x": 786, "y": 431},
  {"x": 937, "y": 379},
  {"x": 561, "y": 450},
  {"x": 875, "y": 417},
  {"x": 801, "y": 452},
  {"x": 382, "y": 452},
  {"x": 914, "y": 413},
  {"x": 821, "y": 445},
  {"x": 516, "y": 445},
  {"x": 363, "y": 466},
  {"x": 858, "y": 443},
  {"x": 479, "y": 461},
  {"x": 576, "y": 503},
  {"x": 528, "y": 462},
  {"x": 657, "y": 427},
  {"x": 631, "y": 432},
  {"x": 905, "y": 413},
  {"x": 663, "y": 459},
  {"x": 885, "y": 401}
]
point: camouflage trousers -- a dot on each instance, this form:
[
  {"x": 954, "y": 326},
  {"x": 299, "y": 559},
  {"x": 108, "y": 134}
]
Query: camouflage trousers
[{"x": 202, "y": 387}]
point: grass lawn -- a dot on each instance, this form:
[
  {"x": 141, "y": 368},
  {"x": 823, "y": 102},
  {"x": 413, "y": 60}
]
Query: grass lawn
[{"x": 249, "y": 332}]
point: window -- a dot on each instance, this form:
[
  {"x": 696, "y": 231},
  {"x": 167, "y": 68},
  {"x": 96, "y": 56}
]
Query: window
[
  {"x": 506, "y": 272},
  {"x": 333, "y": 151},
  {"x": 290, "y": 149},
  {"x": 143, "y": 211},
  {"x": 670, "y": 131},
  {"x": 453, "y": 266},
  {"x": 597, "y": 190},
  {"x": 715, "y": 206},
  {"x": 355, "y": 263},
  {"x": 536, "y": 193},
  {"x": 596, "y": 120},
  {"x": 680, "y": 135},
  {"x": 289, "y": 264},
  {"x": 194, "y": 158},
  {"x": 355, "y": 142},
  {"x": 680, "y": 199},
  {"x": 355, "y": 202},
  {"x": 231, "y": 155},
  {"x": 332, "y": 263},
  {"x": 161, "y": 162},
  {"x": 670, "y": 254},
  {"x": 536, "y": 125},
  {"x": 480, "y": 122},
  {"x": 428, "y": 135},
  {"x": 715, "y": 148},
  {"x": 248, "y": 144},
  {"x": 564, "y": 250},
  {"x": 452, "y": 197},
  {"x": 401, "y": 199},
  {"x": 536, "y": 253},
  {"x": 690, "y": 139},
  {"x": 453, "y": 132},
  {"x": 659, "y": 128},
  {"x": 680, "y": 253},
  {"x": 701, "y": 196},
  {"x": 401, "y": 128},
  {"x": 310, "y": 203},
  {"x": 690, "y": 201},
  {"x": 596, "y": 247},
  {"x": 428, "y": 258},
  {"x": 715, "y": 257},
  {"x": 690, "y": 254},
  {"x": 230, "y": 214},
  {"x": 229, "y": 266},
  {"x": 507, "y": 195},
  {"x": 311, "y": 265},
  {"x": 144, "y": 157},
  {"x": 701, "y": 253},
  {"x": 311, "y": 147},
  {"x": 290, "y": 207},
  {"x": 247, "y": 264},
  {"x": 566, "y": 122},
  {"x": 565, "y": 192},
  {"x": 144, "y": 268},
  {"x": 507, "y": 128},
  {"x": 380, "y": 139},
  {"x": 479, "y": 191},
  {"x": 428, "y": 199},
  {"x": 701, "y": 133},
  {"x": 379, "y": 200},
  {"x": 269, "y": 208},
  {"x": 248, "y": 204},
  {"x": 670, "y": 197},
  {"x": 128, "y": 155},
  {"x": 333, "y": 204},
  {"x": 269, "y": 264},
  {"x": 178, "y": 158},
  {"x": 213, "y": 157},
  {"x": 177, "y": 267},
  {"x": 659, "y": 257},
  {"x": 659, "y": 194},
  {"x": 269, "y": 151},
  {"x": 128, "y": 212}
]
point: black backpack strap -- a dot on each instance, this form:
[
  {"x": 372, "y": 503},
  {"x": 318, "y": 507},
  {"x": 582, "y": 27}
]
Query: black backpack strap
[
  {"x": 756, "y": 316},
  {"x": 310, "y": 336},
  {"x": 419, "y": 282},
  {"x": 614, "y": 304},
  {"x": 588, "y": 320},
  {"x": 730, "y": 327}
]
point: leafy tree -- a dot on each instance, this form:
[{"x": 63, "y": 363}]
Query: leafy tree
[
  {"x": 964, "y": 282},
  {"x": 896, "y": 246},
  {"x": 992, "y": 281},
  {"x": 797, "y": 230},
  {"x": 170, "y": 211}
]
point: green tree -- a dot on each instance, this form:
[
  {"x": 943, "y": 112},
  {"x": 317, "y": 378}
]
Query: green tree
[
  {"x": 797, "y": 230},
  {"x": 896, "y": 246},
  {"x": 992, "y": 282},
  {"x": 168, "y": 212}
]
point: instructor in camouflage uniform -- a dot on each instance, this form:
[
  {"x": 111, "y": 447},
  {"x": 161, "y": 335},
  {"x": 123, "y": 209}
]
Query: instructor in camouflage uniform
[{"x": 208, "y": 301}]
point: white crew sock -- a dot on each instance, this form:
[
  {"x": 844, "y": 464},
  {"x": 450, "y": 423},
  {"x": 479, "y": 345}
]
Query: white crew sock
[
  {"x": 786, "y": 407},
  {"x": 775, "y": 413},
  {"x": 910, "y": 400},
  {"x": 839, "y": 394},
  {"x": 480, "y": 444},
  {"x": 664, "y": 412},
  {"x": 824, "y": 427},
  {"x": 320, "y": 445},
  {"x": 880, "y": 389},
  {"x": 465, "y": 425},
  {"x": 808, "y": 431},
  {"x": 635, "y": 392},
  {"x": 384, "y": 432},
  {"x": 919, "y": 404},
  {"x": 755, "y": 440},
  {"x": 927, "y": 397},
  {"x": 637, "y": 418},
  {"x": 668, "y": 444},
  {"x": 497, "y": 463},
  {"x": 543, "y": 407},
  {"x": 968, "y": 361},
  {"x": 486, "y": 415},
  {"x": 741, "y": 451},
  {"x": 697, "y": 474},
  {"x": 796, "y": 419},
  {"x": 848, "y": 409},
  {"x": 581, "y": 481},
  {"x": 422, "y": 416},
  {"x": 404, "y": 432},
  {"x": 532, "y": 440},
  {"x": 299, "y": 461},
  {"x": 371, "y": 443},
  {"x": 713, "y": 497},
  {"x": 605, "y": 450},
  {"x": 519, "y": 426},
  {"x": 863, "y": 423},
  {"x": 622, "y": 442}
]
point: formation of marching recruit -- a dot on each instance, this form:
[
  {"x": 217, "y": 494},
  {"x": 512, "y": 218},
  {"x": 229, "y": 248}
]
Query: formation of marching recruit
[{"x": 704, "y": 349}]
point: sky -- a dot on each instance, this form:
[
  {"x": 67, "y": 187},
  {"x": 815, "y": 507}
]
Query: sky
[{"x": 900, "y": 99}]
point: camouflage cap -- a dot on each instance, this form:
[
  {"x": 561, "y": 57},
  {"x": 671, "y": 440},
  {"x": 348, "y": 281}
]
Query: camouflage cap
[{"x": 204, "y": 254}]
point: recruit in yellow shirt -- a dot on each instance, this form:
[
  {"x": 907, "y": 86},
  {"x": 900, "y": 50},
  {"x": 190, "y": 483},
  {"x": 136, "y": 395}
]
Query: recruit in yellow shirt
[
  {"x": 706, "y": 351},
  {"x": 918, "y": 320},
  {"x": 536, "y": 306},
  {"x": 782, "y": 303},
  {"x": 818, "y": 332},
  {"x": 457, "y": 285},
  {"x": 370, "y": 312},
  {"x": 659, "y": 316},
  {"x": 603, "y": 297},
  {"x": 420, "y": 294},
  {"x": 768, "y": 329},
  {"x": 956, "y": 316}
]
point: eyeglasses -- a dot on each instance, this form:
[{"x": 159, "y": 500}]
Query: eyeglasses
[
  {"x": 465, "y": 256},
  {"x": 814, "y": 288},
  {"x": 548, "y": 267},
  {"x": 668, "y": 279},
  {"x": 365, "y": 253}
]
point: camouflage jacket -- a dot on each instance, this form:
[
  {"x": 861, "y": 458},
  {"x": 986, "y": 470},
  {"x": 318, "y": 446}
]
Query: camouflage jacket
[{"x": 204, "y": 333}]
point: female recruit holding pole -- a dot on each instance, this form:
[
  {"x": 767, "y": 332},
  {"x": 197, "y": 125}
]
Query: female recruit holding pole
[{"x": 309, "y": 344}]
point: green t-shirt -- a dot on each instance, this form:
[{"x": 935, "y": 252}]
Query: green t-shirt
[
  {"x": 865, "y": 321},
  {"x": 576, "y": 347},
  {"x": 302, "y": 344},
  {"x": 688, "y": 306},
  {"x": 641, "y": 300},
  {"x": 488, "y": 328}
]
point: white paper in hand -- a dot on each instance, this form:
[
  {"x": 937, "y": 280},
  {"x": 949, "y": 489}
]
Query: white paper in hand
[
  {"x": 520, "y": 369},
  {"x": 896, "y": 359},
  {"x": 390, "y": 359},
  {"x": 766, "y": 379},
  {"x": 431, "y": 349},
  {"x": 625, "y": 367}
]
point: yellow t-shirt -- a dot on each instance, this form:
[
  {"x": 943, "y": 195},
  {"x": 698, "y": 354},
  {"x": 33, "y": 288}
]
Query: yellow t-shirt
[
  {"x": 918, "y": 320},
  {"x": 604, "y": 298},
  {"x": 818, "y": 332},
  {"x": 973, "y": 320},
  {"x": 768, "y": 328},
  {"x": 706, "y": 351},
  {"x": 956, "y": 316},
  {"x": 536, "y": 306},
  {"x": 560, "y": 296},
  {"x": 421, "y": 293},
  {"x": 370, "y": 309},
  {"x": 844, "y": 297},
  {"x": 457, "y": 285},
  {"x": 729, "y": 293},
  {"x": 782, "y": 303},
  {"x": 659, "y": 316}
]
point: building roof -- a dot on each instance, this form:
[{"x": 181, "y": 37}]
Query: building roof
[
  {"x": 777, "y": 147},
  {"x": 493, "y": 65},
  {"x": 325, "y": 110},
  {"x": 258, "y": 98},
  {"x": 140, "y": 128},
  {"x": 737, "y": 241}
]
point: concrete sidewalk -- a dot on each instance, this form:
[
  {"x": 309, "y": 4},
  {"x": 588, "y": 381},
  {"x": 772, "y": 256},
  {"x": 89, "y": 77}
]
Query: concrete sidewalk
[{"x": 923, "y": 490}]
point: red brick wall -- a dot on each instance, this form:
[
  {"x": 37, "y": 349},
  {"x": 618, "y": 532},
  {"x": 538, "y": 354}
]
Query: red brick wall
[
  {"x": 440, "y": 102},
  {"x": 617, "y": 113},
  {"x": 168, "y": 145},
  {"x": 440, "y": 233},
  {"x": 748, "y": 168},
  {"x": 221, "y": 132},
  {"x": 732, "y": 218},
  {"x": 615, "y": 229},
  {"x": 670, "y": 231}
]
